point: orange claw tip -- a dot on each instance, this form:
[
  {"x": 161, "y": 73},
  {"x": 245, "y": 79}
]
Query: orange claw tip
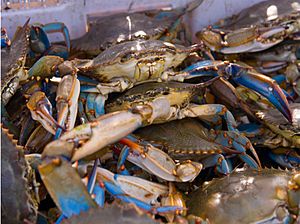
[{"x": 129, "y": 143}]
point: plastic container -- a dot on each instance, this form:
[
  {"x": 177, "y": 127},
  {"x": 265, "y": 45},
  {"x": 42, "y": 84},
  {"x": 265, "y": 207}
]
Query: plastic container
[{"x": 75, "y": 13}]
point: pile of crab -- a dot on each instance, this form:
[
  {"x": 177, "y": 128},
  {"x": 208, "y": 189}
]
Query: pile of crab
[{"x": 132, "y": 123}]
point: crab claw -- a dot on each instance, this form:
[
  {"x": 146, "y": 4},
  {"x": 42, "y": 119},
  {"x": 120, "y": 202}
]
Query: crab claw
[
  {"x": 261, "y": 84},
  {"x": 41, "y": 111},
  {"x": 160, "y": 163},
  {"x": 65, "y": 187},
  {"x": 67, "y": 102},
  {"x": 59, "y": 27}
]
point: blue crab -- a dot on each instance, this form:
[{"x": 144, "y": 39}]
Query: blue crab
[
  {"x": 141, "y": 106},
  {"x": 130, "y": 63},
  {"x": 252, "y": 37},
  {"x": 248, "y": 196},
  {"x": 12, "y": 65},
  {"x": 280, "y": 137},
  {"x": 188, "y": 139},
  {"x": 105, "y": 32}
]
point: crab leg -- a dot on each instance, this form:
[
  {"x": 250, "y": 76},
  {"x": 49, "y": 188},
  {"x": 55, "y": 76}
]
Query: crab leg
[
  {"x": 81, "y": 106},
  {"x": 118, "y": 193},
  {"x": 217, "y": 161},
  {"x": 59, "y": 27},
  {"x": 286, "y": 158},
  {"x": 41, "y": 110},
  {"x": 243, "y": 76},
  {"x": 91, "y": 137},
  {"x": 38, "y": 139},
  {"x": 122, "y": 158},
  {"x": 92, "y": 178},
  {"x": 210, "y": 112},
  {"x": 238, "y": 142},
  {"x": 94, "y": 105},
  {"x": 107, "y": 129},
  {"x": 261, "y": 84},
  {"x": 45, "y": 67},
  {"x": 65, "y": 187},
  {"x": 66, "y": 102},
  {"x": 227, "y": 138},
  {"x": 136, "y": 190}
]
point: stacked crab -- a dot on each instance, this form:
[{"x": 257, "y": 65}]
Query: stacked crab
[{"x": 144, "y": 115}]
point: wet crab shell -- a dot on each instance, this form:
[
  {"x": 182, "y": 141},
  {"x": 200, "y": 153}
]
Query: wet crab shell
[
  {"x": 136, "y": 60},
  {"x": 278, "y": 124},
  {"x": 247, "y": 196},
  {"x": 178, "y": 94},
  {"x": 13, "y": 61},
  {"x": 108, "y": 31},
  {"x": 16, "y": 204},
  {"x": 255, "y": 29},
  {"x": 182, "y": 139},
  {"x": 258, "y": 13}
]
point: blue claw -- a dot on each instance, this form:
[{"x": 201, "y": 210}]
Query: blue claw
[
  {"x": 261, "y": 84},
  {"x": 288, "y": 159},
  {"x": 167, "y": 209},
  {"x": 248, "y": 160},
  {"x": 65, "y": 187},
  {"x": 203, "y": 68},
  {"x": 94, "y": 105},
  {"x": 279, "y": 79},
  {"x": 39, "y": 42},
  {"x": 251, "y": 129},
  {"x": 239, "y": 143},
  {"x": 99, "y": 194},
  {"x": 217, "y": 161}
]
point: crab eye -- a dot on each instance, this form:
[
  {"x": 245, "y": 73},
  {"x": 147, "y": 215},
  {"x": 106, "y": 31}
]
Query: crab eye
[{"x": 126, "y": 57}]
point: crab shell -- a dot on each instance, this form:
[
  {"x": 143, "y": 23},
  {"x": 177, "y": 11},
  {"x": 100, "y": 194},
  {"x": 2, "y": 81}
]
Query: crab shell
[
  {"x": 136, "y": 60},
  {"x": 252, "y": 31},
  {"x": 259, "y": 13},
  {"x": 13, "y": 61},
  {"x": 182, "y": 139},
  {"x": 111, "y": 30},
  {"x": 16, "y": 204},
  {"x": 177, "y": 94},
  {"x": 274, "y": 120},
  {"x": 248, "y": 196}
]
